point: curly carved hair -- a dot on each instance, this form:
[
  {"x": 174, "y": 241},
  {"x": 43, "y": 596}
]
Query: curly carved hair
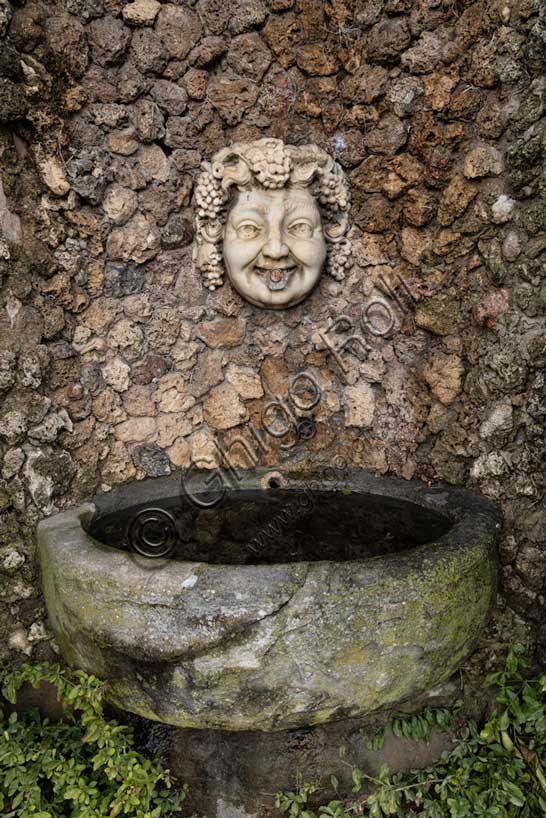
[{"x": 270, "y": 164}]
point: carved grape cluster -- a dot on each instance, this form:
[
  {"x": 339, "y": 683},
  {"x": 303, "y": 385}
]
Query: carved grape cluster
[
  {"x": 209, "y": 196},
  {"x": 212, "y": 270},
  {"x": 270, "y": 164},
  {"x": 334, "y": 193},
  {"x": 338, "y": 259}
]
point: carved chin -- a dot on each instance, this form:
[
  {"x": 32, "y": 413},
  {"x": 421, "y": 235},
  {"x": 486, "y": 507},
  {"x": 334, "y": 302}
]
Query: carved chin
[{"x": 276, "y": 278}]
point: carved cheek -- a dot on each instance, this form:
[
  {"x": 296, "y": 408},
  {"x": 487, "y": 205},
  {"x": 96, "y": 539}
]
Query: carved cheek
[
  {"x": 240, "y": 253},
  {"x": 309, "y": 252}
]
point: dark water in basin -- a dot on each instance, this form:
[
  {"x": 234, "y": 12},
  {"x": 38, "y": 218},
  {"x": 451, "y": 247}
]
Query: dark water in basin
[{"x": 253, "y": 527}]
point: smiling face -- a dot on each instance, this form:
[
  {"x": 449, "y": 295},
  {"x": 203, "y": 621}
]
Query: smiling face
[{"x": 274, "y": 247}]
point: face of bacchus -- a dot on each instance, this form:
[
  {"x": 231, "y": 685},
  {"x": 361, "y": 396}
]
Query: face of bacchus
[{"x": 274, "y": 246}]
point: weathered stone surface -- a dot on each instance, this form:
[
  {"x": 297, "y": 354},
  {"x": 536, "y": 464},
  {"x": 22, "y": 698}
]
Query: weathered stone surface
[
  {"x": 208, "y": 50},
  {"x": 438, "y": 315},
  {"x": 149, "y": 368},
  {"x": 180, "y": 453},
  {"x": 223, "y": 409},
  {"x": 148, "y": 121},
  {"x": 119, "y": 204},
  {"x": 232, "y": 96},
  {"x": 207, "y": 372},
  {"x": 125, "y": 335},
  {"x": 511, "y": 246},
  {"x": 245, "y": 380},
  {"x": 11, "y": 230},
  {"x": 483, "y": 160},
  {"x": 171, "y": 427},
  {"x": 494, "y": 304},
  {"x": 118, "y": 466},
  {"x": 455, "y": 199},
  {"x": 405, "y": 95},
  {"x": 498, "y": 421},
  {"x": 163, "y": 329},
  {"x": 116, "y": 374},
  {"x": 282, "y": 615},
  {"x": 179, "y": 29},
  {"x": 283, "y": 36},
  {"x": 374, "y": 214},
  {"x": 349, "y": 147},
  {"x": 150, "y": 57},
  {"x": 359, "y": 405},
  {"x": 67, "y": 43},
  {"x": 171, "y": 97},
  {"x": 195, "y": 82},
  {"x": 138, "y": 240},
  {"x": 141, "y": 12},
  {"x": 369, "y": 83},
  {"x": 388, "y": 136},
  {"x": 48, "y": 474},
  {"x": 245, "y": 14},
  {"x": 502, "y": 209},
  {"x": 13, "y": 426},
  {"x": 135, "y": 429},
  {"x": 443, "y": 373},
  {"x": 153, "y": 163},
  {"x": 223, "y": 332},
  {"x": 108, "y": 39},
  {"x": 248, "y": 56},
  {"x": 48, "y": 430},
  {"x": 315, "y": 59},
  {"x": 122, "y": 141},
  {"x": 5, "y": 17},
  {"x": 173, "y": 394},
  {"x": 425, "y": 55},
  {"x": 438, "y": 88},
  {"x": 152, "y": 460},
  {"x": 387, "y": 39},
  {"x": 122, "y": 279},
  {"x": 53, "y": 175},
  {"x": 419, "y": 207},
  {"x": 13, "y": 460},
  {"x": 214, "y": 14}
]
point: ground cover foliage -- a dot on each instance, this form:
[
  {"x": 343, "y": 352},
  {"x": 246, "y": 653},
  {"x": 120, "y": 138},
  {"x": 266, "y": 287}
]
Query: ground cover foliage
[
  {"x": 495, "y": 770},
  {"x": 85, "y": 766}
]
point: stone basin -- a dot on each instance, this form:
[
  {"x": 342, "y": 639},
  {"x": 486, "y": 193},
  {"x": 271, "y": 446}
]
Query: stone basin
[{"x": 289, "y": 603}]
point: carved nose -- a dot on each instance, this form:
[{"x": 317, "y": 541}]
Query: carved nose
[{"x": 275, "y": 248}]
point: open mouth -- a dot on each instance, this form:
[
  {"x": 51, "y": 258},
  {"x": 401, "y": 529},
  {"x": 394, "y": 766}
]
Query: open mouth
[{"x": 276, "y": 278}]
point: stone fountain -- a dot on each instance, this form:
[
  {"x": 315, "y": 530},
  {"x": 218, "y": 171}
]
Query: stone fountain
[{"x": 283, "y": 603}]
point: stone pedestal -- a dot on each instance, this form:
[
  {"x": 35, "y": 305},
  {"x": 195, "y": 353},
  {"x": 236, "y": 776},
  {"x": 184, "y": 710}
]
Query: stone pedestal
[{"x": 237, "y": 774}]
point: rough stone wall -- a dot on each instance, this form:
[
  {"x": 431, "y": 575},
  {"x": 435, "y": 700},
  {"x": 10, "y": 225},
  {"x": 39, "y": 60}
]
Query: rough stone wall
[{"x": 115, "y": 362}]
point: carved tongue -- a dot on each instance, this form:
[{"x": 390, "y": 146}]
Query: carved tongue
[{"x": 276, "y": 279}]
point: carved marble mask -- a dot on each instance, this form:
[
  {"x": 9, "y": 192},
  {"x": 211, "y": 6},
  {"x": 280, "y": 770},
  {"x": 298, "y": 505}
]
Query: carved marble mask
[
  {"x": 272, "y": 216},
  {"x": 274, "y": 246}
]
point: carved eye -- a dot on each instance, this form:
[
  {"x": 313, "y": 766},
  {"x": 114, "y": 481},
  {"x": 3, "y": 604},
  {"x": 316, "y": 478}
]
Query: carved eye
[
  {"x": 302, "y": 230},
  {"x": 248, "y": 230}
]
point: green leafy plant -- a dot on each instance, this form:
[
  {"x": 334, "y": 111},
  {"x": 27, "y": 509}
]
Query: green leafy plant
[
  {"x": 416, "y": 726},
  {"x": 419, "y": 726},
  {"x": 83, "y": 766},
  {"x": 494, "y": 772}
]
